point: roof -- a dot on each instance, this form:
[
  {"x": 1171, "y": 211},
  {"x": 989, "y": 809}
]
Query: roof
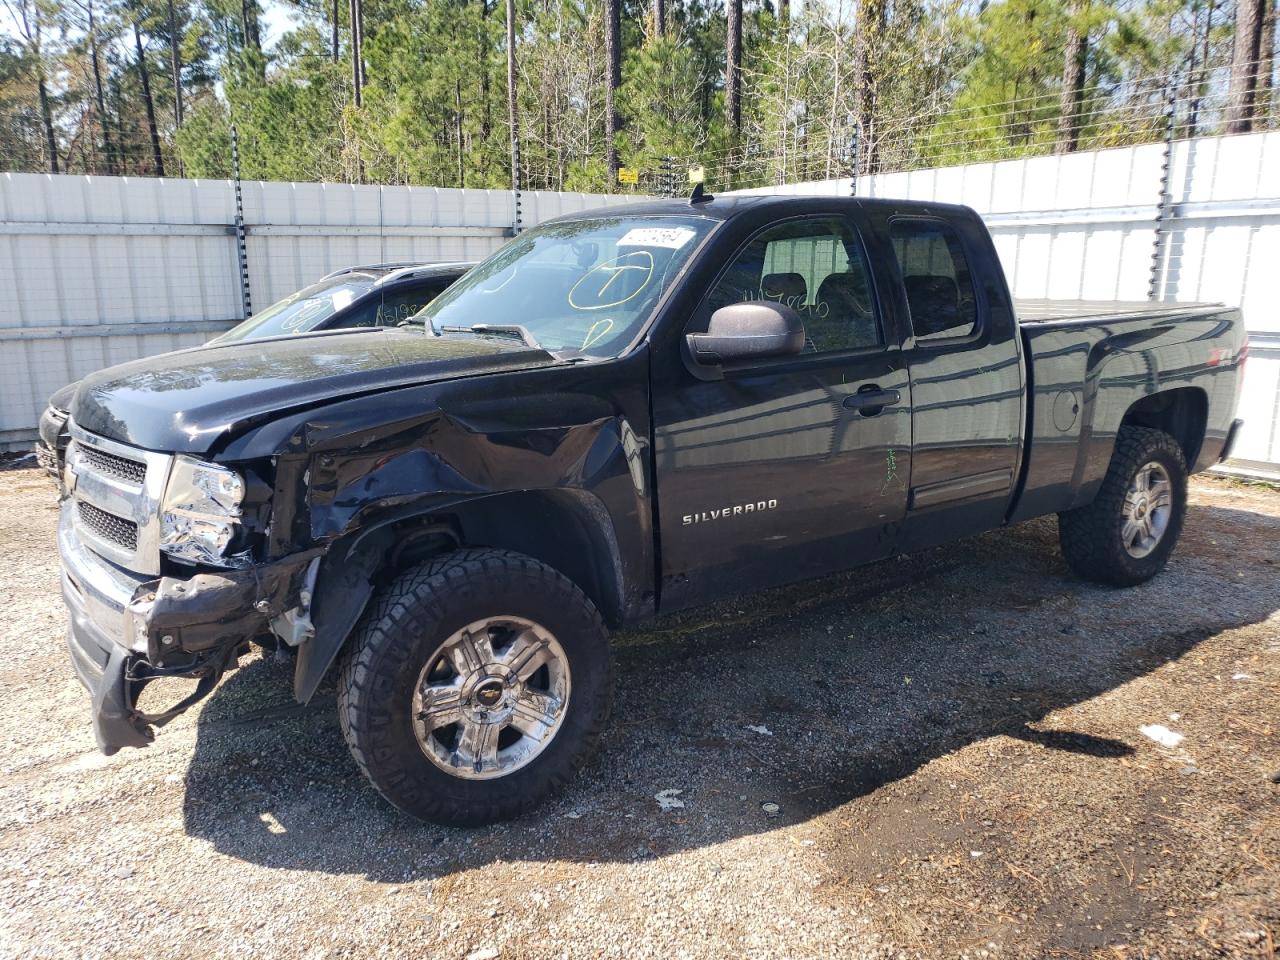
[
  {"x": 454, "y": 268},
  {"x": 383, "y": 272},
  {"x": 727, "y": 206}
]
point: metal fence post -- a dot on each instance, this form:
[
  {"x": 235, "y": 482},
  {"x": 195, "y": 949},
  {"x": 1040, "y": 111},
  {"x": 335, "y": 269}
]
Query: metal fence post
[
  {"x": 853, "y": 162},
  {"x": 242, "y": 251},
  {"x": 517, "y": 221},
  {"x": 1166, "y": 199}
]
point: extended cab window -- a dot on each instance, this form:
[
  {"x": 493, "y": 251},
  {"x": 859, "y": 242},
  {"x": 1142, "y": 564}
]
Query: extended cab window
[
  {"x": 936, "y": 277},
  {"x": 816, "y": 267}
]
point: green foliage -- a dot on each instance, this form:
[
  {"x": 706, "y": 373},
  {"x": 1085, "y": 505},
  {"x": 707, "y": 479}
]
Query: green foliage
[
  {"x": 915, "y": 82},
  {"x": 660, "y": 95}
]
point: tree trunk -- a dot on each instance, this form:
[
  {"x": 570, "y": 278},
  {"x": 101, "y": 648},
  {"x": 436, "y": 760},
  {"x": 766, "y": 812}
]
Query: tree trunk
[
  {"x": 357, "y": 67},
  {"x": 1266, "y": 63},
  {"x": 28, "y": 21},
  {"x": 870, "y": 21},
  {"x": 659, "y": 18},
  {"x": 249, "y": 24},
  {"x": 46, "y": 115},
  {"x": 144, "y": 75},
  {"x": 1073, "y": 72},
  {"x": 1200, "y": 79},
  {"x": 1241, "y": 93},
  {"x": 175, "y": 61},
  {"x": 512, "y": 116},
  {"x": 612, "y": 80},
  {"x": 98, "y": 94},
  {"x": 486, "y": 121},
  {"x": 333, "y": 31},
  {"x": 122, "y": 137},
  {"x": 457, "y": 129},
  {"x": 733, "y": 68}
]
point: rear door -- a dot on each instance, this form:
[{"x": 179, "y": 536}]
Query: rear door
[
  {"x": 792, "y": 466},
  {"x": 966, "y": 377}
]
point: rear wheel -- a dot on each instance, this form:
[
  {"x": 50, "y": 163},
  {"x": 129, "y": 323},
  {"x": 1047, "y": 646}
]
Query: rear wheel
[
  {"x": 1125, "y": 536},
  {"x": 477, "y": 685}
]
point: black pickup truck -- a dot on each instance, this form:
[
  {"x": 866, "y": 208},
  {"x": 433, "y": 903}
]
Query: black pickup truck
[{"x": 619, "y": 414}]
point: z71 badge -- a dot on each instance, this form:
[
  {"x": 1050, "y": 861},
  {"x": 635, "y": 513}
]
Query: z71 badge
[{"x": 723, "y": 513}]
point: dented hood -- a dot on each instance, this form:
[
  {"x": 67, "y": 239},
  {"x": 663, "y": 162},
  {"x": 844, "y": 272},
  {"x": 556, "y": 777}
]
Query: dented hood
[{"x": 189, "y": 400}]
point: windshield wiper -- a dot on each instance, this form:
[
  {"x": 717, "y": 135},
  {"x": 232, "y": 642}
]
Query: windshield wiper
[{"x": 500, "y": 329}]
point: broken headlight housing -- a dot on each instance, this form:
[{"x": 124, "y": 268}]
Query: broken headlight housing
[{"x": 200, "y": 513}]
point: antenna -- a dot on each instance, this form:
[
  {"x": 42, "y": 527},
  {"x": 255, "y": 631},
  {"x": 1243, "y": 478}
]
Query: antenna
[{"x": 699, "y": 196}]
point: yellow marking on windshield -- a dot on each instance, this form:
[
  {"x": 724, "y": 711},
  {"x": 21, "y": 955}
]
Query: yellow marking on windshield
[
  {"x": 593, "y": 336},
  {"x": 611, "y": 271}
]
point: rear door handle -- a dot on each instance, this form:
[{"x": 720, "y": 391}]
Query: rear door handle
[{"x": 871, "y": 399}]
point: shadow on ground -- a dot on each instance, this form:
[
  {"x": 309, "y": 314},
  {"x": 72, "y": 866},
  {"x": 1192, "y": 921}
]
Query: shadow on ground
[{"x": 860, "y": 679}]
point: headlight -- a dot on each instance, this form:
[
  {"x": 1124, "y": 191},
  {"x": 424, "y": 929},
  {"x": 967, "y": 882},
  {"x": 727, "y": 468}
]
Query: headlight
[{"x": 199, "y": 515}]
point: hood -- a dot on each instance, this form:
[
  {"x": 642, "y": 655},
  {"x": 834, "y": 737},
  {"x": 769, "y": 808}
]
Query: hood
[
  {"x": 186, "y": 401},
  {"x": 61, "y": 400}
]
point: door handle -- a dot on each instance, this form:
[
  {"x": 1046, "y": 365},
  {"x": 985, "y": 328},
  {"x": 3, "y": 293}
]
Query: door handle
[{"x": 871, "y": 399}]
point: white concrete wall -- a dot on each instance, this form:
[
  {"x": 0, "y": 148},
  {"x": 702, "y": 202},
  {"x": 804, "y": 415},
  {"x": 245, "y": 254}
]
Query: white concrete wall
[
  {"x": 1082, "y": 226},
  {"x": 99, "y": 270}
]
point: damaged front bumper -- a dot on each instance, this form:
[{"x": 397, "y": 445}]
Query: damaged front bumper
[{"x": 127, "y": 630}]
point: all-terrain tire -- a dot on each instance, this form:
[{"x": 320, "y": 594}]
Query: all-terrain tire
[
  {"x": 406, "y": 623},
  {"x": 1091, "y": 536}
]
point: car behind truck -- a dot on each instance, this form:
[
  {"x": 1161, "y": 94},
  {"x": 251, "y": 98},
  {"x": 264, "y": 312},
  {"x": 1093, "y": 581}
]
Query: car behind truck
[{"x": 619, "y": 414}]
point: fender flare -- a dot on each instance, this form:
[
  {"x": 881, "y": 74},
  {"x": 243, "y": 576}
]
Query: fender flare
[{"x": 343, "y": 588}]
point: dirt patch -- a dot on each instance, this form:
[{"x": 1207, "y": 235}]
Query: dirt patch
[{"x": 952, "y": 741}]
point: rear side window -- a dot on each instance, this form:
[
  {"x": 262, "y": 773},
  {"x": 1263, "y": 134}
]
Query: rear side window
[{"x": 935, "y": 274}]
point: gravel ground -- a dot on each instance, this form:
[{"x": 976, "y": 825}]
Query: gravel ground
[{"x": 952, "y": 742}]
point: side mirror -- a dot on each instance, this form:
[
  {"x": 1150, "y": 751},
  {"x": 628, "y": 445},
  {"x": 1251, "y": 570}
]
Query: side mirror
[{"x": 752, "y": 330}]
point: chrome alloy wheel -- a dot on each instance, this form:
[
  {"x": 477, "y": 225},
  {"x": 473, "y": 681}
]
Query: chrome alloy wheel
[
  {"x": 1148, "y": 505},
  {"x": 491, "y": 698}
]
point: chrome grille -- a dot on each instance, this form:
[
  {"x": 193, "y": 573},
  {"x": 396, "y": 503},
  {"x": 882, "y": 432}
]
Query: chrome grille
[
  {"x": 122, "y": 468},
  {"x": 107, "y": 526},
  {"x": 47, "y": 459},
  {"x": 116, "y": 490}
]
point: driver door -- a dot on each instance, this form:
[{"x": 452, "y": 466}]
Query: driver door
[{"x": 779, "y": 471}]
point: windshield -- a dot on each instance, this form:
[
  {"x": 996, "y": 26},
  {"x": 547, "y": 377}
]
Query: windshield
[
  {"x": 302, "y": 311},
  {"x": 578, "y": 288}
]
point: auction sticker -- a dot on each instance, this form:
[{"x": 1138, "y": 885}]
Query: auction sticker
[{"x": 672, "y": 238}]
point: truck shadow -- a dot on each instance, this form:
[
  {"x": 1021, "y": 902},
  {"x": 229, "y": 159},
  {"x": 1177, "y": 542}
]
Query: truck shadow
[{"x": 807, "y": 697}]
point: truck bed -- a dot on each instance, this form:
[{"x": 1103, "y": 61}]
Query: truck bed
[
  {"x": 1090, "y": 361},
  {"x": 1034, "y": 310}
]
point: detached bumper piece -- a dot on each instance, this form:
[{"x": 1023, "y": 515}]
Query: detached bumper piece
[
  {"x": 115, "y": 678},
  {"x": 51, "y": 448},
  {"x": 127, "y": 630}
]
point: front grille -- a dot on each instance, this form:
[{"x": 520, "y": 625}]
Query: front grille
[
  {"x": 121, "y": 468},
  {"x": 47, "y": 459},
  {"x": 115, "y": 490},
  {"x": 107, "y": 526}
]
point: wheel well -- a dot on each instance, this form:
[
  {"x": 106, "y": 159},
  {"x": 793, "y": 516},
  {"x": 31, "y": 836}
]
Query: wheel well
[
  {"x": 1181, "y": 413},
  {"x": 566, "y": 529}
]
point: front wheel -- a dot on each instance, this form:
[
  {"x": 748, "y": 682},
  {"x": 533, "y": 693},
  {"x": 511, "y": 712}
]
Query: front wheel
[
  {"x": 478, "y": 684},
  {"x": 1125, "y": 536}
]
